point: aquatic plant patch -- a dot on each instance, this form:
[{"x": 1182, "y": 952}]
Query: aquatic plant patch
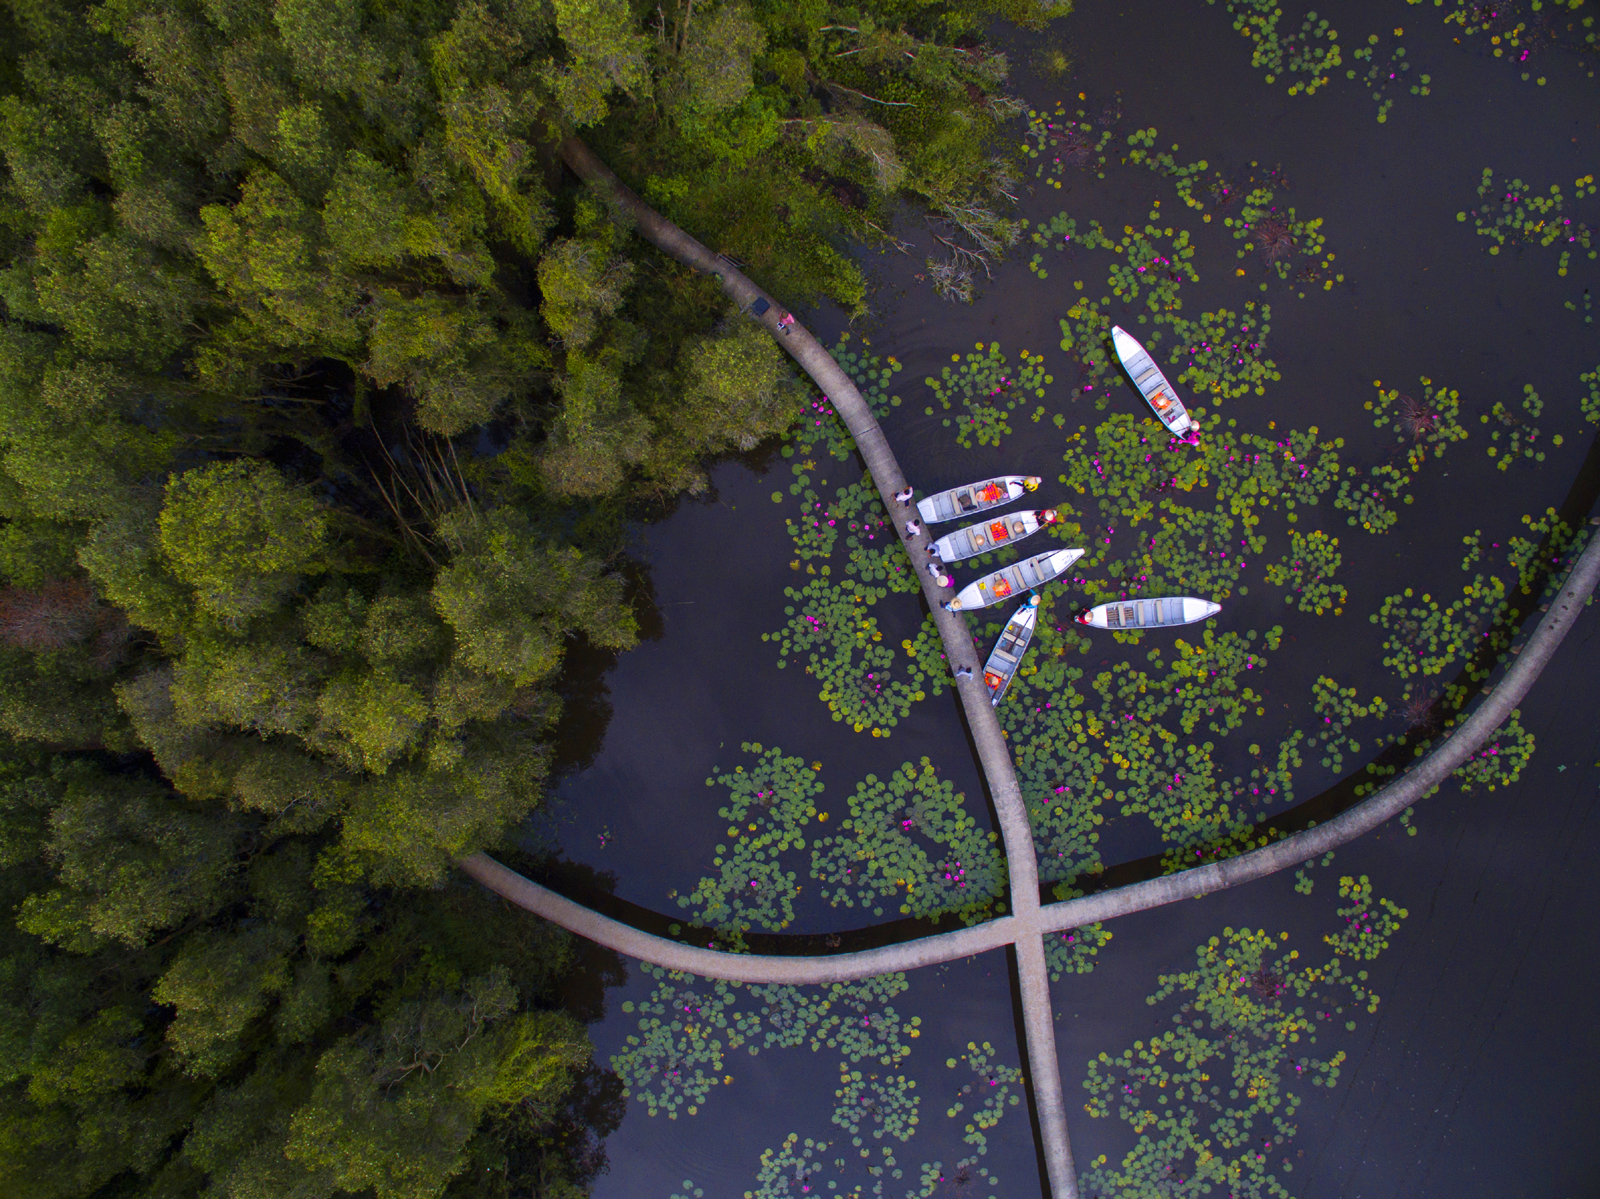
[
  {"x": 689, "y": 1026},
  {"x": 1307, "y": 56},
  {"x": 863, "y": 681},
  {"x": 1213, "y": 1101},
  {"x": 988, "y": 388},
  {"x": 1514, "y": 213},
  {"x": 1224, "y": 352},
  {"x": 1385, "y": 73},
  {"x": 1521, "y": 433},
  {"x": 1308, "y": 570},
  {"x": 908, "y": 839}
]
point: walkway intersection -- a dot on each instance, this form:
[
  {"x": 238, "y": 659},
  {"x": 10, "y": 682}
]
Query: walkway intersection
[{"x": 1029, "y": 921}]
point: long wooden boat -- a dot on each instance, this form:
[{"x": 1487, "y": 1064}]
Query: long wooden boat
[
  {"x": 1014, "y": 580},
  {"x": 995, "y": 534},
  {"x": 1164, "y": 613},
  {"x": 975, "y": 497},
  {"x": 1007, "y": 653},
  {"x": 1152, "y": 384}
]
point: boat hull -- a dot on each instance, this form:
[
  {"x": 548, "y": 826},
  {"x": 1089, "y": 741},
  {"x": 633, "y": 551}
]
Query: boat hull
[
  {"x": 1164, "y": 613},
  {"x": 1006, "y": 657},
  {"x": 972, "y": 540},
  {"x": 975, "y": 497},
  {"x": 1152, "y": 384},
  {"x": 1013, "y": 580}
]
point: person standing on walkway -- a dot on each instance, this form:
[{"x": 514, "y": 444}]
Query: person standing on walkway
[
  {"x": 903, "y": 498},
  {"x": 913, "y": 529},
  {"x": 784, "y": 322},
  {"x": 963, "y": 672}
]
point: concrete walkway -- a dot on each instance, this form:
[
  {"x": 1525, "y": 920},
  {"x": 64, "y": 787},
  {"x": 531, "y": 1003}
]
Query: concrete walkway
[
  {"x": 1028, "y": 922},
  {"x": 984, "y": 725}
]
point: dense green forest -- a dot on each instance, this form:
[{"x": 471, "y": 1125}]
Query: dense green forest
[{"x": 324, "y": 397}]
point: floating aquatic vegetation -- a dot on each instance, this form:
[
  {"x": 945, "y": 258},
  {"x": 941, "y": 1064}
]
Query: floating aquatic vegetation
[
  {"x": 1152, "y": 269},
  {"x": 1224, "y": 352},
  {"x": 1521, "y": 433},
  {"x": 1313, "y": 51},
  {"x": 1425, "y": 425},
  {"x": 1213, "y": 1099},
  {"x": 884, "y": 1104},
  {"x": 879, "y": 1104},
  {"x": 1380, "y": 73},
  {"x": 1059, "y": 142},
  {"x": 1556, "y": 545},
  {"x": 1184, "y": 177},
  {"x": 689, "y": 1025},
  {"x": 1368, "y": 923},
  {"x": 1086, "y": 335},
  {"x": 1426, "y": 639},
  {"x": 1280, "y": 234},
  {"x": 1075, "y": 757},
  {"x": 1074, "y": 951},
  {"x": 989, "y": 1093},
  {"x": 1516, "y": 35},
  {"x": 1513, "y": 214},
  {"x": 768, "y": 807},
  {"x": 863, "y": 681},
  {"x": 686, "y": 1028},
  {"x": 1338, "y": 709},
  {"x": 909, "y": 838},
  {"x": 989, "y": 388},
  {"x": 1307, "y": 570},
  {"x": 1588, "y": 318},
  {"x": 1500, "y": 760}
]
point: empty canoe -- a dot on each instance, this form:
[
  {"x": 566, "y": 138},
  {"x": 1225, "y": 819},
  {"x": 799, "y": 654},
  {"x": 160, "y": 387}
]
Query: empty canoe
[
  {"x": 975, "y": 497},
  {"x": 1014, "y": 580},
  {"x": 1149, "y": 613},
  {"x": 1007, "y": 653},
  {"x": 1152, "y": 384},
  {"x": 995, "y": 534}
]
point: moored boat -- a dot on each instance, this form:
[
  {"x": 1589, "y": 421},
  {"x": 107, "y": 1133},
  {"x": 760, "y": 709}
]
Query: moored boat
[
  {"x": 1007, "y": 653},
  {"x": 1152, "y": 384},
  {"x": 1014, "y": 580},
  {"x": 975, "y": 497},
  {"x": 1166, "y": 612},
  {"x": 972, "y": 540}
]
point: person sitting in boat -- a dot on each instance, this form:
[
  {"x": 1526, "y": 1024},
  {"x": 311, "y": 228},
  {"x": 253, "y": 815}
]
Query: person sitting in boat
[{"x": 1160, "y": 402}]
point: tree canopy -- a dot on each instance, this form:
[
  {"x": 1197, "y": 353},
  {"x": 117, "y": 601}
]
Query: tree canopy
[{"x": 323, "y": 395}]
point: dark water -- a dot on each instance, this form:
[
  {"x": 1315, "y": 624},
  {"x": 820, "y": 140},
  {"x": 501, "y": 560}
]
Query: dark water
[{"x": 1473, "y": 1076}]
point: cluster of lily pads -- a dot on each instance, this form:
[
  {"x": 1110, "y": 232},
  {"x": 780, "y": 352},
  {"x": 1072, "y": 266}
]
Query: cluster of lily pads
[
  {"x": 1521, "y": 433},
  {"x": 989, "y": 389},
  {"x": 1214, "y": 1099},
  {"x": 1514, "y": 214},
  {"x": 1515, "y": 34},
  {"x": 907, "y": 844},
  {"x": 689, "y": 1027},
  {"x": 1307, "y": 571},
  {"x": 1381, "y": 73}
]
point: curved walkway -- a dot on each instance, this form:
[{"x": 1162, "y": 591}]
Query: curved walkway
[
  {"x": 1029, "y": 921},
  {"x": 998, "y": 770},
  {"x": 1365, "y": 816}
]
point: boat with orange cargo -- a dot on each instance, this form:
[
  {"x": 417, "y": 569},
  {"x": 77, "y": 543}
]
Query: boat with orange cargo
[
  {"x": 996, "y": 534},
  {"x": 1014, "y": 580},
  {"x": 975, "y": 497}
]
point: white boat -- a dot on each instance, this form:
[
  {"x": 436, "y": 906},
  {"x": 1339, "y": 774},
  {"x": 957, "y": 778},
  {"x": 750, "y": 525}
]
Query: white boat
[
  {"x": 1007, "y": 653},
  {"x": 975, "y": 497},
  {"x": 1014, "y": 580},
  {"x": 1152, "y": 384},
  {"x": 996, "y": 534},
  {"x": 1163, "y": 613}
]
